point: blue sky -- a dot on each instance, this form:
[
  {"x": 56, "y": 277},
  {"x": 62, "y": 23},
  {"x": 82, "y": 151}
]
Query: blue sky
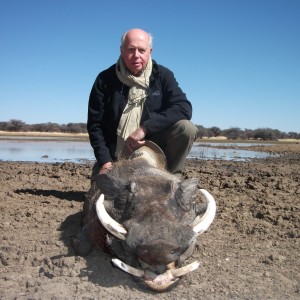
[{"x": 238, "y": 61}]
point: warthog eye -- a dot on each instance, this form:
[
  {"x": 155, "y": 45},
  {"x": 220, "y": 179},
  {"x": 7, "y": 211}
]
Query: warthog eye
[{"x": 175, "y": 251}]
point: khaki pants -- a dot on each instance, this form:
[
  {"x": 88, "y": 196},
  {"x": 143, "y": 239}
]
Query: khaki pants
[{"x": 176, "y": 142}]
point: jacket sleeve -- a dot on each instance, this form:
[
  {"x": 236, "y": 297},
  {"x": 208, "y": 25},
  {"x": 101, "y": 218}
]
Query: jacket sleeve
[
  {"x": 96, "y": 106},
  {"x": 175, "y": 105}
]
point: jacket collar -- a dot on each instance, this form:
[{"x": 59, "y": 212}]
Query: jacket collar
[{"x": 155, "y": 71}]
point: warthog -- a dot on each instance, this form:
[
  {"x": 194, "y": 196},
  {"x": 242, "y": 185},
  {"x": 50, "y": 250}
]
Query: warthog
[{"x": 147, "y": 218}]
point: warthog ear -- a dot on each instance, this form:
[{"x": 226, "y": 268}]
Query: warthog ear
[
  {"x": 186, "y": 193},
  {"x": 110, "y": 185}
]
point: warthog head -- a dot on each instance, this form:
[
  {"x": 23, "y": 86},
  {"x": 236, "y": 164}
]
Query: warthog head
[{"x": 152, "y": 217}]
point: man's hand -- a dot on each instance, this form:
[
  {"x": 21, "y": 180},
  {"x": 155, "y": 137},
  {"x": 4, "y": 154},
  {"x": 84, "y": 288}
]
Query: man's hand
[
  {"x": 135, "y": 140},
  {"x": 107, "y": 166}
]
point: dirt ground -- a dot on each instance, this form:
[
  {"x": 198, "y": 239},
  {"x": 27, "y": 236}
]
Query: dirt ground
[{"x": 251, "y": 251}]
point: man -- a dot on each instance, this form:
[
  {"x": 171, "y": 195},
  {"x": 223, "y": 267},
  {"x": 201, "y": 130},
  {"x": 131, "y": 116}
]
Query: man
[{"x": 136, "y": 100}]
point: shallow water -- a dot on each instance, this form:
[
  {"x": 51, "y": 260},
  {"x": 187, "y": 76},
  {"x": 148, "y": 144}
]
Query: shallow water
[
  {"x": 209, "y": 151},
  {"x": 45, "y": 151},
  {"x": 74, "y": 151}
]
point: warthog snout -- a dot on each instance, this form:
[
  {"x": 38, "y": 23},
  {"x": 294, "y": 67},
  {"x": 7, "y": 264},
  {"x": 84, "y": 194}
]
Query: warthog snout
[{"x": 159, "y": 252}]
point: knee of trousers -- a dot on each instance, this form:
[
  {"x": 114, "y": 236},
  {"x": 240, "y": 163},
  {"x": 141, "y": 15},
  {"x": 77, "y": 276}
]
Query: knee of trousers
[{"x": 187, "y": 128}]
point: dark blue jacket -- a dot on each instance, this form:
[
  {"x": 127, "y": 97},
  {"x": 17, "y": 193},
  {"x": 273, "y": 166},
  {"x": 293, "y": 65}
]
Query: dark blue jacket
[{"x": 165, "y": 105}]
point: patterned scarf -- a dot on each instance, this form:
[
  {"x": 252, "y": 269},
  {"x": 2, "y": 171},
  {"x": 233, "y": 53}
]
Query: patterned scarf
[{"x": 131, "y": 116}]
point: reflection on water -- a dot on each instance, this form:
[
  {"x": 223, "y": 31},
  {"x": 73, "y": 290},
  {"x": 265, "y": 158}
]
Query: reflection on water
[
  {"x": 45, "y": 151},
  {"x": 60, "y": 151},
  {"x": 207, "y": 151}
]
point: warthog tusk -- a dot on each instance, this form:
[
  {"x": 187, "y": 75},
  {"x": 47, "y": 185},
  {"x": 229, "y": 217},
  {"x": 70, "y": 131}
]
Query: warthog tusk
[
  {"x": 131, "y": 270},
  {"x": 201, "y": 224},
  {"x": 163, "y": 281},
  {"x": 159, "y": 282},
  {"x": 186, "y": 269},
  {"x": 109, "y": 223}
]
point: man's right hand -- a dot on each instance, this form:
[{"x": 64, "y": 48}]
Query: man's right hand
[
  {"x": 107, "y": 166},
  {"x": 136, "y": 139}
]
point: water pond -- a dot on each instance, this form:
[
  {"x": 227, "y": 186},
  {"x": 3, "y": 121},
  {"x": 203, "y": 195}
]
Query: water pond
[
  {"x": 81, "y": 151},
  {"x": 231, "y": 152}
]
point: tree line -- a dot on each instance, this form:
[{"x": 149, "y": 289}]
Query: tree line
[
  {"x": 233, "y": 133},
  {"x": 20, "y": 126}
]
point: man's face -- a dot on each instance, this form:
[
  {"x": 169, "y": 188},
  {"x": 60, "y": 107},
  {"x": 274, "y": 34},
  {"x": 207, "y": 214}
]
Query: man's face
[{"x": 136, "y": 51}]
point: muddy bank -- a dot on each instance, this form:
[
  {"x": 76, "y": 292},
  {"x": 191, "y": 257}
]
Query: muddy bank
[{"x": 250, "y": 252}]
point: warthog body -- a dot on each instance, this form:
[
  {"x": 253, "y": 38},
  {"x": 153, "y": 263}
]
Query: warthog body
[{"x": 157, "y": 215}]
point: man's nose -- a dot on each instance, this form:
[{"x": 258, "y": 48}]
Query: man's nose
[{"x": 136, "y": 53}]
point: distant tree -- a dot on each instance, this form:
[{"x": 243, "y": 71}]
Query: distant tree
[
  {"x": 26, "y": 128},
  {"x": 52, "y": 127},
  {"x": 3, "y": 126},
  {"x": 283, "y": 135},
  {"x": 210, "y": 133},
  {"x": 38, "y": 127},
  {"x": 216, "y": 131},
  {"x": 83, "y": 127},
  {"x": 293, "y": 135},
  {"x": 249, "y": 134},
  {"x": 264, "y": 134},
  {"x": 75, "y": 128},
  {"x": 202, "y": 131},
  {"x": 64, "y": 128},
  {"x": 15, "y": 125},
  {"x": 232, "y": 133}
]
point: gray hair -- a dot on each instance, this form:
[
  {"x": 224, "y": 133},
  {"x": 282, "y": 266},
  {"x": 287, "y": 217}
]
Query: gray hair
[{"x": 124, "y": 37}]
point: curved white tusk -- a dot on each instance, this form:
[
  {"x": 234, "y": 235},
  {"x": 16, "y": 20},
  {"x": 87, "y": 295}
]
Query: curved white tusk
[
  {"x": 133, "y": 271},
  {"x": 200, "y": 225},
  {"x": 161, "y": 282},
  {"x": 186, "y": 269},
  {"x": 109, "y": 223}
]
